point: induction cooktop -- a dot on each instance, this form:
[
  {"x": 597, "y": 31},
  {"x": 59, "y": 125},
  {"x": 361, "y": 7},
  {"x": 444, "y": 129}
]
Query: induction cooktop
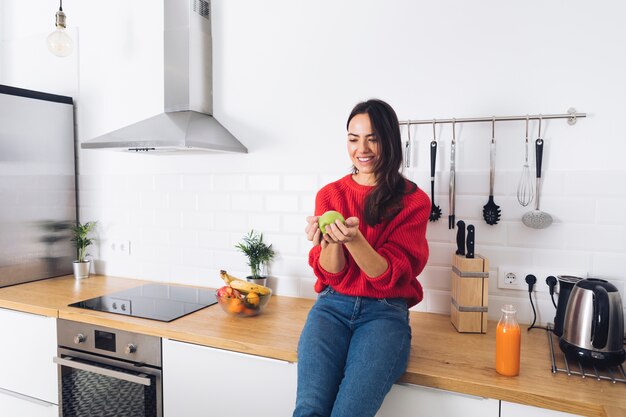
[{"x": 162, "y": 302}]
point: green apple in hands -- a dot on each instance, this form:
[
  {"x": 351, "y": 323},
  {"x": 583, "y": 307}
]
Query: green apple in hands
[{"x": 328, "y": 218}]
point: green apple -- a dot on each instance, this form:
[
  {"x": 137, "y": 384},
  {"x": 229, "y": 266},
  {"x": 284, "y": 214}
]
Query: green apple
[{"x": 328, "y": 218}]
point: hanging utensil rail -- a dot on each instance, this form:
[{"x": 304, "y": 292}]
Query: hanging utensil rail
[{"x": 571, "y": 115}]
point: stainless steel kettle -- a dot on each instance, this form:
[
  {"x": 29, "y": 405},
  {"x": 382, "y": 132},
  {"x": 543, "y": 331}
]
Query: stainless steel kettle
[{"x": 593, "y": 326}]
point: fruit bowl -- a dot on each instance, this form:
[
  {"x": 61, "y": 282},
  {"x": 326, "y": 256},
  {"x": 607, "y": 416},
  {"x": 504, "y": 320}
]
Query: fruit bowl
[{"x": 243, "y": 305}]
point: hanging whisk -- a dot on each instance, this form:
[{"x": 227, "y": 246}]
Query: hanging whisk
[{"x": 525, "y": 189}]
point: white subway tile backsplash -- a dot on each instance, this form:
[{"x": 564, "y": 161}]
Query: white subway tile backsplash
[
  {"x": 213, "y": 239},
  {"x": 300, "y": 183},
  {"x": 197, "y": 183},
  {"x": 231, "y": 222},
  {"x": 199, "y": 220},
  {"x": 307, "y": 204},
  {"x": 293, "y": 223},
  {"x": 144, "y": 217},
  {"x": 438, "y": 301},
  {"x": 153, "y": 200},
  {"x": 229, "y": 182},
  {"x": 264, "y": 222},
  {"x": 183, "y": 200},
  {"x": 183, "y": 237},
  {"x": 595, "y": 183},
  {"x": 570, "y": 209},
  {"x": 284, "y": 244},
  {"x": 246, "y": 202},
  {"x": 436, "y": 278},
  {"x": 307, "y": 288},
  {"x": 184, "y": 228},
  {"x": 154, "y": 235},
  {"x": 167, "y": 183},
  {"x": 215, "y": 202},
  {"x": 264, "y": 182},
  {"x": 284, "y": 203},
  {"x": 197, "y": 257},
  {"x": 168, "y": 219},
  {"x": 611, "y": 211},
  {"x": 550, "y": 237},
  {"x": 609, "y": 265},
  {"x": 137, "y": 183}
]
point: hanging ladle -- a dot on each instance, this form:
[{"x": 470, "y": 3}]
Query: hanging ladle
[
  {"x": 537, "y": 219},
  {"x": 491, "y": 211},
  {"x": 435, "y": 210}
]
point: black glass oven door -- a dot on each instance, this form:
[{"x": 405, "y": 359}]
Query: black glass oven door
[{"x": 95, "y": 389}]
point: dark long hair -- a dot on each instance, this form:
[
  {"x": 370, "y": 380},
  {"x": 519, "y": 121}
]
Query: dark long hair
[{"x": 384, "y": 201}]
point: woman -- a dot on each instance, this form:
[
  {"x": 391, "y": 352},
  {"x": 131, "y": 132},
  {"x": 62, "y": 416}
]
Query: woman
[{"x": 355, "y": 343}]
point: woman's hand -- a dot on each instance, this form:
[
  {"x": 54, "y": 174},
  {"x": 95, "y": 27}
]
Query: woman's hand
[
  {"x": 339, "y": 232},
  {"x": 312, "y": 230}
]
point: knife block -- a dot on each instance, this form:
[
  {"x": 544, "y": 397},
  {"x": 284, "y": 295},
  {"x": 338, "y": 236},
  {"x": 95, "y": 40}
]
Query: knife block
[{"x": 469, "y": 291}]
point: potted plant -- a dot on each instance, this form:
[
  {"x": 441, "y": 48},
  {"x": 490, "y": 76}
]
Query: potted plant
[
  {"x": 82, "y": 241},
  {"x": 259, "y": 255}
]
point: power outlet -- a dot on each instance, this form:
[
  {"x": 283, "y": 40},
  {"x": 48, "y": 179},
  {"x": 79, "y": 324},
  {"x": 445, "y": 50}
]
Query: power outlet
[
  {"x": 120, "y": 247},
  {"x": 514, "y": 277}
]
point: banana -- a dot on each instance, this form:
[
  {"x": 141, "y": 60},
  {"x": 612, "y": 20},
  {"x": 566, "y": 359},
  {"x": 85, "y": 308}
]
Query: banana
[{"x": 243, "y": 286}]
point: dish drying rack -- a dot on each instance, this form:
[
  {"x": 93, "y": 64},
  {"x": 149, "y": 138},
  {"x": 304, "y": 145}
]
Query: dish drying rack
[{"x": 611, "y": 373}]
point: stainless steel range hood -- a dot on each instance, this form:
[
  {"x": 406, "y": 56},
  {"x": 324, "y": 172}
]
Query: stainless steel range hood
[{"x": 187, "y": 122}]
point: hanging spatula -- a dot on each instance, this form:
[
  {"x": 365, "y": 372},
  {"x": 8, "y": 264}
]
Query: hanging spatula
[{"x": 435, "y": 210}]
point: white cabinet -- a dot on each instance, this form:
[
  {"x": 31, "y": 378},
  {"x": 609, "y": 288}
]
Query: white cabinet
[
  {"x": 405, "y": 400},
  {"x": 28, "y": 377},
  {"x": 508, "y": 409},
  {"x": 12, "y": 404},
  {"x": 202, "y": 381}
]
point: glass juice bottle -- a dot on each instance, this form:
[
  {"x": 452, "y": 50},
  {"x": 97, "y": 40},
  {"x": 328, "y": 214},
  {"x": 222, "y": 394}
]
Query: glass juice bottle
[{"x": 508, "y": 340}]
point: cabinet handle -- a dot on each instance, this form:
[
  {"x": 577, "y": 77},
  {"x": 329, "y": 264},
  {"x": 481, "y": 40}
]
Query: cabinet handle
[
  {"x": 26, "y": 397},
  {"x": 137, "y": 379}
]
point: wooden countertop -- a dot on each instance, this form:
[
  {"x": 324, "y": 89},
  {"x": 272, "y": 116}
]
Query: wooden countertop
[{"x": 440, "y": 357}]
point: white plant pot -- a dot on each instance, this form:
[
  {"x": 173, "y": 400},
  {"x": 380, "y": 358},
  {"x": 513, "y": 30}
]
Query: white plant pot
[
  {"x": 257, "y": 281},
  {"x": 81, "y": 269}
]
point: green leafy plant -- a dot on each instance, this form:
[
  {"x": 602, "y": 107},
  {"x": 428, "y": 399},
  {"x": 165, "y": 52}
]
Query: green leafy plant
[
  {"x": 257, "y": 251},
  {"x": 81, "y": 238}
]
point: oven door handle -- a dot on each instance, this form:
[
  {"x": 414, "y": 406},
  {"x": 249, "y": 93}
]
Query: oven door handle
[{"x": 138, "y": 379}]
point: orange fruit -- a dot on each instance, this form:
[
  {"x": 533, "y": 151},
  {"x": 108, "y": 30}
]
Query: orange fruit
[
  {"x": 234, "y": 305},
  {"x": 253, "y": 299}
]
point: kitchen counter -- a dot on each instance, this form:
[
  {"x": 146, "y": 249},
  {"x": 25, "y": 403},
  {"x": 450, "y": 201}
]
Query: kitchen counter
[{"x": 440, "y": 357}]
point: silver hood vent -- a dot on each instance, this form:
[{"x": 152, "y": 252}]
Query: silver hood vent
[{"x": 187, "y": 122}]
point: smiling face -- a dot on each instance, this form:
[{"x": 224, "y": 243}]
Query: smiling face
[{"x": 363, "y": 148}]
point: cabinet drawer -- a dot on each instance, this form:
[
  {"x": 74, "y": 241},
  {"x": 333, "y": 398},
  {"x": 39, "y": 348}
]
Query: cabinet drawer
[
  {"x": 199, "y": 381},
  {"x": 26, "y": 352},
  {"x": 405, "y": 400},
  {"x": 518, "y": 410}
]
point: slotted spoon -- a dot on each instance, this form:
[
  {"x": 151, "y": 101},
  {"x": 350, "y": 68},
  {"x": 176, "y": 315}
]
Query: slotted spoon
[
  {"x": 491, "y": 211},
  {"x": 537, "y": 219}
]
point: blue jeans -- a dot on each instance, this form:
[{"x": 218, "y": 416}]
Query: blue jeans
[{"x": 351, "y": 351}]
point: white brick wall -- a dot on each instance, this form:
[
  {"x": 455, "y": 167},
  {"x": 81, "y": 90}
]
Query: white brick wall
[{"x": 185, "y": 227}]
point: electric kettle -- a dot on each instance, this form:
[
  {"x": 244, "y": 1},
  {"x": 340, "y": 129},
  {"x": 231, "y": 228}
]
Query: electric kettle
[{"x": 593, "y": 326}]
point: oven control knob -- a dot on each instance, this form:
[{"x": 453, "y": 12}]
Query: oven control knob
[
  {"x": 79, "y": 338},
  {"x": 131, "y": 348}
]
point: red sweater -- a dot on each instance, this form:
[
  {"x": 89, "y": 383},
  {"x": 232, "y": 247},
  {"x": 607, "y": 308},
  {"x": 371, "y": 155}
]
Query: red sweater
[{"x": 401, "y": 241}]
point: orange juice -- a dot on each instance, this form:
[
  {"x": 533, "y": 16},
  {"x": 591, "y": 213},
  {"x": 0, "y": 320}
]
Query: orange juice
[{"x": 508, "y": 341}]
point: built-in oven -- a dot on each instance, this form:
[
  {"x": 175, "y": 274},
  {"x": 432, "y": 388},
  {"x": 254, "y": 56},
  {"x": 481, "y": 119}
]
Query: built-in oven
[{"x": 108, "y": 372}]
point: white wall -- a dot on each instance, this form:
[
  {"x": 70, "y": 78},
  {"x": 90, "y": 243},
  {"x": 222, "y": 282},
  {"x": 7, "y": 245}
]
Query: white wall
[{"x": 286, "y": 76}]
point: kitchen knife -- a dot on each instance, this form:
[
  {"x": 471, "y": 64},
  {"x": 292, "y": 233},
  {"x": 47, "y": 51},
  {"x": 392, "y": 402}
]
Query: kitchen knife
[
  {"x": 470, "y": 241},
  {"x": 460, "y": 238}
]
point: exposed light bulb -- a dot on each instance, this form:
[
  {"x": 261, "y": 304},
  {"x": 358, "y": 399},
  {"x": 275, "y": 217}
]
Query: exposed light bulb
[{"x": 59, "y": 42}]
